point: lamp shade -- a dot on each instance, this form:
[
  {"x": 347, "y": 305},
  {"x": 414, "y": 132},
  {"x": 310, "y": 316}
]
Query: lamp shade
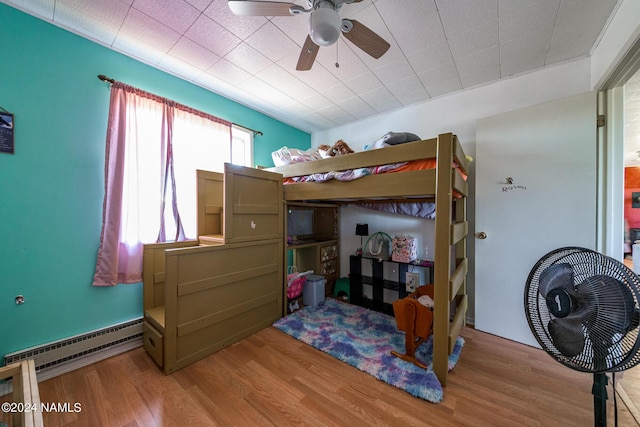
[
  {"x": 362, "y": 229},
  {"x": 324, "y": 25}
]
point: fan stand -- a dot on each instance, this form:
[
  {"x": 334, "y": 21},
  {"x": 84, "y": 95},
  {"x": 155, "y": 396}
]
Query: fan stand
[{"x": 599, "y": 391}]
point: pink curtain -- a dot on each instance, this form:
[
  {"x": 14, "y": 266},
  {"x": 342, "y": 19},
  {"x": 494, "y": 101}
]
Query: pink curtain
[{"x": 139, "y": 174}]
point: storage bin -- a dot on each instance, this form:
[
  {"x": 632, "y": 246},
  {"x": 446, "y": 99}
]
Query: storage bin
[
  {"x": 313, "y": 291},
  {"x": 405, "y": 249}
]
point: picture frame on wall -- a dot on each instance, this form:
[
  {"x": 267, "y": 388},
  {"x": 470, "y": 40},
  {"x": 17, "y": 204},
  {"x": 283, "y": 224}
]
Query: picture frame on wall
[{"x": 6, "y": 133}]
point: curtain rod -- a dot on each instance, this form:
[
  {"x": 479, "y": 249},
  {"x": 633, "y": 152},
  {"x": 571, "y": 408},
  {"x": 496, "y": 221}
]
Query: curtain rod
[
  {"x": 255, "y": 132},
  {"x": 112, "y": 81}
]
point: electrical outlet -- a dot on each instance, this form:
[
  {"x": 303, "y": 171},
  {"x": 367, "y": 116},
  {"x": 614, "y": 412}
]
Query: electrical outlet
[{"x": 412, "y": 281}]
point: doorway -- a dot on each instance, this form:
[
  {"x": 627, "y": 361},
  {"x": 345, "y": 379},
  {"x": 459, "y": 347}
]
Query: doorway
[
  {"x": 619, "y": 189},
  {"x": 631, "y": 135}
]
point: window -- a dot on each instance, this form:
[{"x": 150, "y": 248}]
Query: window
[
  {"x": 154, "y": 147},
  {"x": 241, "y": 146}
]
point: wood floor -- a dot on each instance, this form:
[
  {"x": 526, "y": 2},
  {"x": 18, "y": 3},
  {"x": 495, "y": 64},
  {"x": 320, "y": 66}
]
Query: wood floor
[{"x": 271, "y": 379}]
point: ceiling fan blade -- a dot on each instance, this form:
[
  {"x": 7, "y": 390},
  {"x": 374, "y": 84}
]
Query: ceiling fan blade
[
  {"x": 366, "y": 39},
  {"x": 307, "y": 55},
  {"x": 260, "y": 8}
]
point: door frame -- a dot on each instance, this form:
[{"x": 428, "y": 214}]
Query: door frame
[{"x": 610, "y": 143}]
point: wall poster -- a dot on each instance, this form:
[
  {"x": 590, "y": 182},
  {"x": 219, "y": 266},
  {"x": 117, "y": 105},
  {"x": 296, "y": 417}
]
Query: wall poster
[{"x": 6, "y": 132}]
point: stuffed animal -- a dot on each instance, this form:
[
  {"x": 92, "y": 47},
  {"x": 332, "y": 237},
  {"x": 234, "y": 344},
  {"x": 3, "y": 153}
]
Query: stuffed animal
[{"x": 340, "y": 148}]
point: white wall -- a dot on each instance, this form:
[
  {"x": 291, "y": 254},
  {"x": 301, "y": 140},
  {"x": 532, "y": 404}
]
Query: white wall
[
  {"x": 459, "y": 112},
  {"x": 456, "y": 113}
]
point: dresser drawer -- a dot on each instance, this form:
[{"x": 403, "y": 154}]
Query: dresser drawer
[
  {"x": 329, "y": 267},
  {"x": 328, "y": 252},
  {"x": 153, "y": 343}
]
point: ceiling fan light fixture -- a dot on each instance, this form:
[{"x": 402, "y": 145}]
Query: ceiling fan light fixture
[{"x": 325, "y": 24}]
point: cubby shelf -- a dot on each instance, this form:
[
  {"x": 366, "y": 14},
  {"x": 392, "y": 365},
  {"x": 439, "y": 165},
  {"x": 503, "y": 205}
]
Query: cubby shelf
[{"x": 379, "y": 281}]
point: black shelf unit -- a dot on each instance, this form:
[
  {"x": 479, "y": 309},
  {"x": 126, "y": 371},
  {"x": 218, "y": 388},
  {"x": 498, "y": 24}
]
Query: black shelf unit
[{"x": 378, "y": 282}]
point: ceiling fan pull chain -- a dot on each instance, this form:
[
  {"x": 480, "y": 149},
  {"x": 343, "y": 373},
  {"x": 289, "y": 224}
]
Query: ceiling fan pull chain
[{"x": 337, "y": 63}]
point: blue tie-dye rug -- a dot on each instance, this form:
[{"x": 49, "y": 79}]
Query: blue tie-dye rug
[{"x": 364, "y": 339}]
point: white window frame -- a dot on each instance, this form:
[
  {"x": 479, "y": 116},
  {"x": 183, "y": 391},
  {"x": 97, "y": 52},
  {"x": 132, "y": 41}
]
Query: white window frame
[{"x": 241, "y": 139}]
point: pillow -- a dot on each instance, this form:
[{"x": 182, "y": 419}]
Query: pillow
[{"x": 394, "y": 138}]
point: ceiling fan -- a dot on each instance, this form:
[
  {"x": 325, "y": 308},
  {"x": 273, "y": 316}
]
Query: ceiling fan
[{"x": 325, "y": 25}]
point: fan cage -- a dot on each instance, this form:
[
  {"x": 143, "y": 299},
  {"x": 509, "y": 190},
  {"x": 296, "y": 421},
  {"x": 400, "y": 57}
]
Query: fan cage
[{"x": 623, "y": 352}]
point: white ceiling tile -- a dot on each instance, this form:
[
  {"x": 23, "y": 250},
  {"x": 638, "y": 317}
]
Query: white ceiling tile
[
  {"x": 577, "y": 27},
  {"x": 201, "y": 5},
  {"x": 479, "y": 68},
  {"x": 194, "y": 54},
  {"x": 278, "y": 77},
  {"x": 142, "y": 27},
  {"x": 247, "y": 58},
  {"x": 206, "y": 79},
  {"x": 517, "y": 7},
  {"x": 351, "y": 65},
  {"x": 110, "y": 13},
  {"x": 430, "y": 57},
  {"x": 520, "y": 64},
  {"x": 138, "y": 49},
  {"x": 228, "y": 72},
  {"x": 295, "y": 27},
  {"x": 241, "y": 26},
  {"x": 413, "y": 23},
  {"x": 409, "y": 90},
  {"x": 355, "y": 10},
  {"x": 318, "y": 120},
  {"x": 212, "y": 36},
  {"x": 179, "y": 68},
  {"x": 532, "y": 44},
  {"x": 363, "y": 114},
  {"x": 318, "y": 78},
  {"x": 364, "y": 83},
  {"x": 338, "y": 93},
  {"x": 103, "y": 27},
  {"x": 529, "y": 17},
  {"x": 272, "y": 42},
  {"x": 480, "y": 37},
  {"x": 380, "y": 99},
  {"x": 264, "y": 91},
  {"x": 443, "y": 87},
  {"x": 175, "y": 14},
  {"x": 461, "y": 15},
  {"x": 393, "y": 71},
  {"x": 442, "y": 72},
  {"x": 316, "y": 101},
  {"x": 335, "y": 114},
  {"x": 356, "y": 107}
]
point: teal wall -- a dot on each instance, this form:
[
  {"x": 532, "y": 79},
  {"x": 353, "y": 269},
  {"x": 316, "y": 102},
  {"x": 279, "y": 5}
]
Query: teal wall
[{"x": 51, "y": 189}]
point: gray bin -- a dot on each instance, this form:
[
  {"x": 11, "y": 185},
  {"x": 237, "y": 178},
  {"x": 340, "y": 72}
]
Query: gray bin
[{"x": 313, "y": 290}]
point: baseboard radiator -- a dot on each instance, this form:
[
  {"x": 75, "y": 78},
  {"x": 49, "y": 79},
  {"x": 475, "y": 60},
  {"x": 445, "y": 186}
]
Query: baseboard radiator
[{"x": 68, "y": 354}]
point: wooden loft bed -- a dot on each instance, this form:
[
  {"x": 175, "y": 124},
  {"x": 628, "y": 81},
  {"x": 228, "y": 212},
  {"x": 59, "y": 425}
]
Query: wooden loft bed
[{"x": 442, "y": 184}]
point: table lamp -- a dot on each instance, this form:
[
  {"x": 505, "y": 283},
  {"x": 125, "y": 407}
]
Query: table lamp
[{"x": 361, "y": 230}]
